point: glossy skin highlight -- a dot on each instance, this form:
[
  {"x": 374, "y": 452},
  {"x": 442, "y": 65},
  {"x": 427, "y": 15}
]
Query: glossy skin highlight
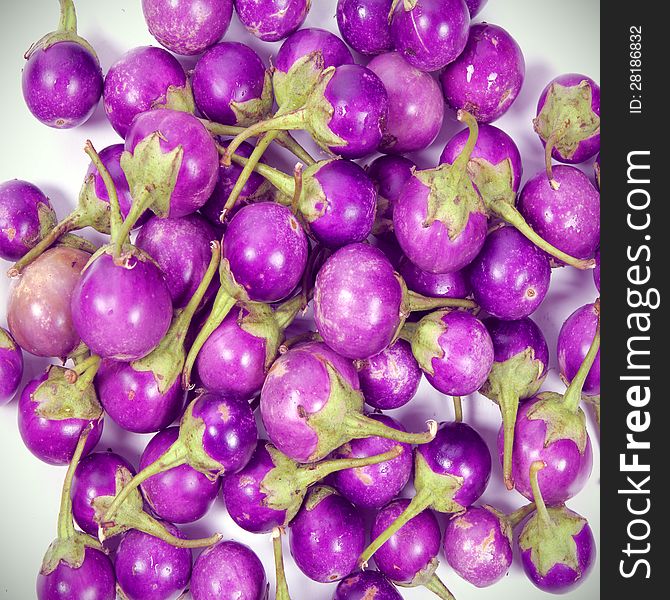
[
  {"x": 121, "y": 313},
  {"x": 510, "y": 277},
  {"x": 326, "y": 536},
  {"x": 181, "y": 494},
  {"x": 62, "y": 84},
  {"x": 569, "y": 217},
  {"x": 228, "y": 570},
  {"x": 272, "y": 20},
  {"x": 363, "y": 24},
  {"x": 357, "y": 300},
  {"x": 267, "y": 250},
  {"x": 333, "y": 50},
  {"x": 432, "y": 33},
  {"x": 567, "y": 469},
  {"x": 486, "y": 78},
  {"x": 199, "y": 167},
  {"x": 434, "y": 285},
  {"x": 20, "y": 203},
  {"x": 574, "y": 340},
  {"x": 53, "y": 441},
  {"x": 137, "y": 81},
  {"x": 94, "y": 477},
  {"x": 416, "y": 107}
]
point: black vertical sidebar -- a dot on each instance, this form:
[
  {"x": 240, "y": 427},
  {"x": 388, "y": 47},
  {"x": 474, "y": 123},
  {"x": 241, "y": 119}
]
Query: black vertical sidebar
[{"x": 635, "y": 351}]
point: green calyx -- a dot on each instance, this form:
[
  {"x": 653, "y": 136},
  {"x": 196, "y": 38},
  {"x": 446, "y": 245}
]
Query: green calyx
[
  {"x": 64, "y": 395},
  {"x": 440, "y": 488},
  {"x": 425, "y": 340},
  {"x": 94, "y": 212},
  {"x": 427, "y": 578},
  {"x": 131, "y": 515},
  {"x": 286, "y": 484},
  {"x": 383, "y": 223},
  {"x": 257, "y": 109},
  {"x": 567, "y": 118},
  {"x": 167, "y": 360},
  {"x": 6, "y": 341},
  {"x": 178, "y": 98},
  {"x": 509, "y": 381},
  {"x": 260, "y": 322},
  {"x": 452, "y": 196},
  {"x": 562, "y": 422},
  {"x": 521, "y": 376},
  {"x": 70, "y": 545},
  {"x": 551, "y": 542},
  {"x": 66, "y": 32},
  {"x": 494, "y": 182},
  {"x": 319, "y": 112},
  {"x": 331, "y": 420},
  {"x": 191, "y": 430},
  {"x": 293, "y": 88},
  {"x": 317, "y": 495}
]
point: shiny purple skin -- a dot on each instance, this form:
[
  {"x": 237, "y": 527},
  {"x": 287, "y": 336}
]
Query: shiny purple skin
[
  {"x": 458, "y": 450},
  {"x": 95, "y": 477},
  {"x": 487, "y": 77},
  {"x": 244, "y": 498},
  {"x": 364, "y": 25},
  {"x": 366, "y": 585},
  {"x": 432, "y": 33},
  {"x": 111, "y": 158},
  {"x": 301, "y": 368},
  {"x": 327, "y": 536},
  {"x": 391, "y": 378},
  {"x": 228, "y": 570},
  {"x": 121, "y": 313},
  {"x": 467, "y": 355},
  {"x": 596, "y": 270},
  {"x": 187, "y": 26},
  {"x": 513, "y": 337},
  {"x": 267, "y": 250},
  {"x": 574, "y": 341},
  {"x": 375, "y": 485},
  {"x": 411, "y": 549},
  {"x": 510, "y": 277},
  {"x": 430, "y": 248},
  {"x": 148, "y": 568},
  {"x": 351, "y": 200},
  {"x": 137, "y": 81},
  {"x": 224, "y": 185},
  {"x": 227, "y": 73},
  {"x": 360, "y": 110},
  {"x": 181, "y": 247},
  {"x": 180, "y": 494},
  {"x": 567, "y": 470},
  {"x": 476, "y": 546},
  {"x": 333, "y": 50},
  {"x": 11, "y": 366},
  {"x": 569, "y": 217},
  {"x": 562, "y": 578},
  {"x": 53, "y": 441},
  {"x": 390, "y": 173},
  {"x": 200, "y": 162},
  {"x": 493, "y": 145},
  {"x": 232, "y": 360},
  {"x": 434, "y": 285},
  {"x": 416, "y": 106},
  {"x": 132, "y": 399},
  {"x": 475, "y": 6},
  {"x": 230, "y": 430},
  {"x": 586, "y": 148},
  {"x": 357, "y": 301},
  {"x": 62, "y": 84},
  {"x": 19, "y": 217},
  {"x": 272, "y": 20},
  {"x": 45, "y": 289},
  {"x": 93, "y": 580}
]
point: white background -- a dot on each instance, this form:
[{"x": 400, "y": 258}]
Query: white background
[{"x": 555, "y": 37}]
